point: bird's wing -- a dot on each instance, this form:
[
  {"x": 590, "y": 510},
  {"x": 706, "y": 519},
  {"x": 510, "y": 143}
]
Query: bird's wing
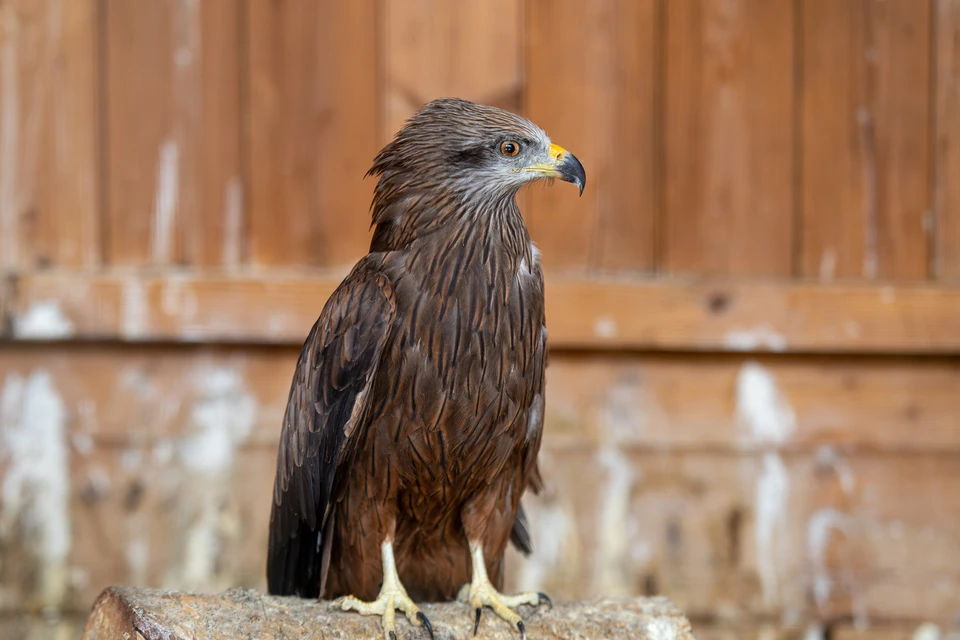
[{"x": 326, "y": 408}]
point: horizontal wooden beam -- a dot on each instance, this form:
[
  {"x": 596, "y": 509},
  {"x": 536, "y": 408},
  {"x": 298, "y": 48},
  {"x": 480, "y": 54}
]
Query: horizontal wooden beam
[{"x": 582, "y": 313}]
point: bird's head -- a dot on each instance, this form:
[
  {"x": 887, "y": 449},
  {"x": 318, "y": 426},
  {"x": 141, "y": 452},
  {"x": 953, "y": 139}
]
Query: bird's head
[{"x": 472, "y": 150}]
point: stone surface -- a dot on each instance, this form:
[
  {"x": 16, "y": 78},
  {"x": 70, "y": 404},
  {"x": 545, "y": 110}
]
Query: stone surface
[{"x": 148, "y": 614}]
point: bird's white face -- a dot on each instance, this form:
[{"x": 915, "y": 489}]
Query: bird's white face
[
  {"x": 517, "y": 156},
  {"x": 471, "y": 152}
]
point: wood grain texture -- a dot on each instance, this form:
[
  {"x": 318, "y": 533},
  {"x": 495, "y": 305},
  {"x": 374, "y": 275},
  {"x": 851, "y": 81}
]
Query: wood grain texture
[
  {"x": 728, "y": 138},
  {"x": 436, "y": 49},
  {"x": 865, "y": 120},
  {"x": 753, "y": 535},
  {"x": 947, "y": 139},
  {"x": 49, "y": 191},
  {"x": 768, "y": 489},
  {"x": 590, "y": 77},
  {"x": 313, "y": 130},
  {"x": 115, "y": 396},
  {"x": 173, "y": 133},
  {"x": 582, "y": 314}
]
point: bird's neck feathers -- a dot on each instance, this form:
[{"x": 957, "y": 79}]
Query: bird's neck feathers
[{"x": 406, "y": 209}]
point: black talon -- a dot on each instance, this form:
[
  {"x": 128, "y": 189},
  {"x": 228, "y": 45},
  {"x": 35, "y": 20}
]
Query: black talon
[
  {"x": 544, "y": 598},
  {"x": 425, "y": 622},
  {"x": 476, "y": 624},
  {"x": 523, "y": 631},
  {"x": 393, "y": 635}
]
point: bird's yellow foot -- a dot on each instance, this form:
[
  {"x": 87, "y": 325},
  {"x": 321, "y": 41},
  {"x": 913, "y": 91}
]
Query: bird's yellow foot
[
  {"x": 480, "y": 593},
  {"x": 393, "y": 597}
]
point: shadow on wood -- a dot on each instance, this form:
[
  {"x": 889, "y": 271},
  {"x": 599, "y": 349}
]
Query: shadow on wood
[{"x": 148, "y": 614}]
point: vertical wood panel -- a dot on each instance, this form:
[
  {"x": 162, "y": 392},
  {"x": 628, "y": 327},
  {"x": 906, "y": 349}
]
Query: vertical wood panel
[
  {"x": 175, "y": 183},
  {"x": 947, "y": 139},
  {"x": 728, "y": 132},
  {"x": 436, "y": 49},
  {"x": 48, "y": 134},
  {"x": 590, "y": 85},
  {"x": 313, "y": 129},
  {"x": 865, "y": 120}
]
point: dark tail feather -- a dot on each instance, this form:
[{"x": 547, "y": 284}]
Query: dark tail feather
[
  {"x": 520, "y": 535},
  {"x": 293, "y": 565}
]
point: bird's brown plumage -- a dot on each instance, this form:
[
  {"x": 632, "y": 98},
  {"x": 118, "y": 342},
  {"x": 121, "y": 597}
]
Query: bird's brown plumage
[{"x": 416, "y": 409}]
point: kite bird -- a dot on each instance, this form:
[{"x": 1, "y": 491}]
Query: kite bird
[{"x": 416, "y": 408}]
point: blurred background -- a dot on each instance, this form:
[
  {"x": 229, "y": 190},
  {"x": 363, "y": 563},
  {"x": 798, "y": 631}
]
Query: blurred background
[{"x": 753, "y": 393}]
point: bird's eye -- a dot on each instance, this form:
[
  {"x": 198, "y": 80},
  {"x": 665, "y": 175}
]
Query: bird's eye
[{"x": 510, "y": 148}]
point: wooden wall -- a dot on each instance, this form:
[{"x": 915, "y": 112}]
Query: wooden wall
[{"x": 754, "y": 390}]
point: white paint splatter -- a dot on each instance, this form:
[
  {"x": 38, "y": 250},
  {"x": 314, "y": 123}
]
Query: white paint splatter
[
  {"x": 761, "y": 407},
  {"x": 661, "y": 629},
  {"x": 551, "y": 529},
  {"x": 828, "y": 264},
  {"x": 770, "y": 419},
  {"x": 222, "y": 418},
  {"x": 82, "y": 443},
  {"x": 612, "y": 553},
  {"x": 232, "y": 222},
  {"x": 772, "y": 492},
  {"x": 44, "y": 320},
  {"x": 814, "y": 632},
  {"x": 163, "y": 452},
  {"x": 822, "y": 524},
  {"x": 827, "y": 456},
  {"x": 605, "y": 327},
  {"x": 926, "y": 631},
  {"x": 98, "y": 480},
  {"x": 214, "y": 527},
  {"x": 621, "y": 418},
  {"x": 761, "y": 337},
  {"x": 165, "y": 201},
  {"x": 36, "y": 486},
  {"x": 134, "y": 319},
  {"x": 131, "y": 460}
]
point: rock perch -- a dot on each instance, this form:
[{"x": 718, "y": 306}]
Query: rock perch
[{"x": 149, "y": 614}]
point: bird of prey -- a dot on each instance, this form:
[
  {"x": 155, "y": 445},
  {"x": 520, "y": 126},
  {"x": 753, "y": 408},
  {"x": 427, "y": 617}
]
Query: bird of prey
[{"x": 416, "y": 409}]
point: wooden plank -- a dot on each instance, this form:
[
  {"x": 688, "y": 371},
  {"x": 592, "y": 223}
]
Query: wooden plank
[
  {"x": 947, "y": 138},
  {"x": 759, "y": 536},
  {"x": 590, "y": 75},
  {"x": 865, "y": 119},
  {"x": 49, "y": 165},
  {"x": 153, "y": 395},
  {"x": 710, "y": 630},
  {"x": 753, "y": 535},
  {"x": 582, "y": 313},
  {"x": 173, "y": 118},
  {"x": 919, "y": 630},
  {"x": 728, "y": 138},
  {"x": 815, "y": 631},
  {"x": 36, "y": 627},
  {"x": 313, "y": 130},
  {"x": 435, "y": 49}
]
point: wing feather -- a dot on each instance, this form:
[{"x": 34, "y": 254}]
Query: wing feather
[{"x": 327, "y": 403}]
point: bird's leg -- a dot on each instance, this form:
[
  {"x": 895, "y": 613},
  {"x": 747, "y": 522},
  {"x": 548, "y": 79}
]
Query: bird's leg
[
  {"x": 480, "y": 592},
  {"x": 392, "y": 597}
]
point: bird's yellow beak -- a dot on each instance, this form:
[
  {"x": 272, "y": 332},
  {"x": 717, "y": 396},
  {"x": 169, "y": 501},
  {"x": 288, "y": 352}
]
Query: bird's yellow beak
[{"x": 562, "y": 164}]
